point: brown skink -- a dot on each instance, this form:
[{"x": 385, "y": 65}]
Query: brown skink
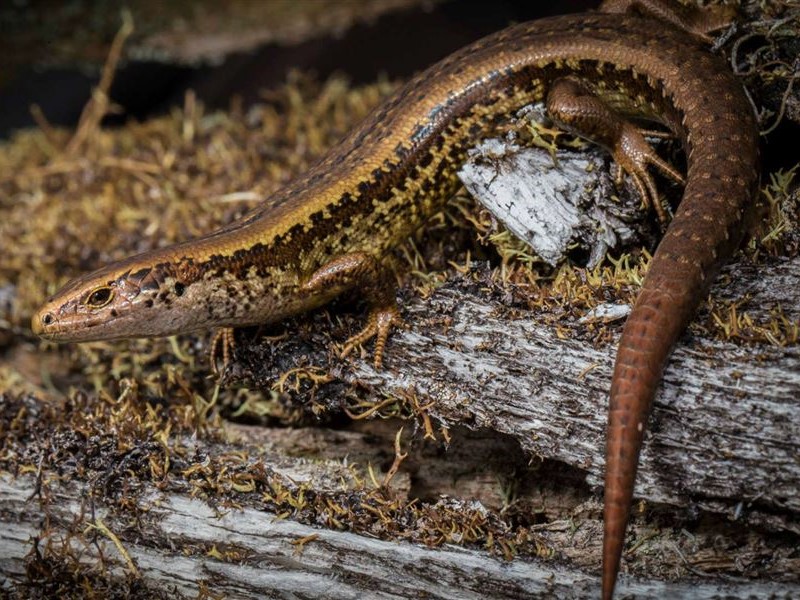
[{"x": 328, "y": 230}]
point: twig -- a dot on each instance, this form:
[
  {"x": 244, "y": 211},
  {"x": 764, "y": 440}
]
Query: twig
[
  {"x": 399, "y": 457},
  {"x": 44, "y": 125},
  {"x": 102, "y": 528},
  {"x": 96, "y": 108}
]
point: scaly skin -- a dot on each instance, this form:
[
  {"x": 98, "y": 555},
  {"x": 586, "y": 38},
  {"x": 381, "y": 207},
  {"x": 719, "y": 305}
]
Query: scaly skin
[{"x": 395, "y": 170}]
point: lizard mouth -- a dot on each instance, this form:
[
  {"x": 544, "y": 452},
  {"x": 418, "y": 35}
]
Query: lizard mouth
[{"x": 48, "y": 326}]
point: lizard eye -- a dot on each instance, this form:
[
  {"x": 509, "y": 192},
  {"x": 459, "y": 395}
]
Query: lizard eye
[{"x": 100, "y": 297}]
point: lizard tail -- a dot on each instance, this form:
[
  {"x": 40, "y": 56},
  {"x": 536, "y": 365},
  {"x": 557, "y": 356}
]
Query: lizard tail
[{"x": 647, "y": 340}]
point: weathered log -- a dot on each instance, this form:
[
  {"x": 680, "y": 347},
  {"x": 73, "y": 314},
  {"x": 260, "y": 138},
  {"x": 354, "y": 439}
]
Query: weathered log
[
  {"x": 272, "y": 561},
  {"x": 725, "y": 435}
]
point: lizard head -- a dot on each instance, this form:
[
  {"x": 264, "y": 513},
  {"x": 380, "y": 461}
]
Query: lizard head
[{"x": 137, "y": 297}]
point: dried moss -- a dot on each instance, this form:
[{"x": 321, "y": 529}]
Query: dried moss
[{"x": 119, "y": 448}]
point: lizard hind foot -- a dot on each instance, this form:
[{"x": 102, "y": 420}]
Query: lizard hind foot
[
  {"x": 577, "y": 108},
  {"x": 633, "y": 155},
  {"x": 697, "y": 21}
]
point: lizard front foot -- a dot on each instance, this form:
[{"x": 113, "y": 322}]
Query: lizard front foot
[{"x": 221, "y": 342}]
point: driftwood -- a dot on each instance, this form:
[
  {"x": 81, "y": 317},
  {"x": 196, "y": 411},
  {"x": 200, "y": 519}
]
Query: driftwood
[{"x": 279, "y": 558}]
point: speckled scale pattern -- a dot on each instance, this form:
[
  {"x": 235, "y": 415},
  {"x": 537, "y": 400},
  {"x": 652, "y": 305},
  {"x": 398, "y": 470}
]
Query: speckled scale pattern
[{"x": 396, "y": 169}]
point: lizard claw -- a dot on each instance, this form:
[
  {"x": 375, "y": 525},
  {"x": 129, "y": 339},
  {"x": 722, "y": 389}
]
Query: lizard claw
[
  {"x": 376, "y": 283},
  {"x": 221, "y": 342},
  {"x": 379, "y": 325},
  {"x": 633, "y": 154}
]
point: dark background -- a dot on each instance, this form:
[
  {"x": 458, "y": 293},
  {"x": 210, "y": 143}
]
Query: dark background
[{"x": 396, "y": 44}]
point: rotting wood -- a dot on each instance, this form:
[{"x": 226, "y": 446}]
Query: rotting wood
[{"x": 552, "y": 202}]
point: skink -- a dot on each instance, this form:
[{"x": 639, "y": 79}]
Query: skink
[{"x": 327, "y": 231}]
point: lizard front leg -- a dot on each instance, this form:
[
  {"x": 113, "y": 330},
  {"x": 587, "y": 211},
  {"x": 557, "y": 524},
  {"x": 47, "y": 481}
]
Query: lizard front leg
[{"x": 375, "y": 283}]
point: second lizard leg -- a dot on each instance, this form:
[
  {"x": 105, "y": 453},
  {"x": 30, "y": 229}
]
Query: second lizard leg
[
  {"x": 221, "y": 342},
  {"x": 576, "y": 108},
  {"x": 692, "y": 19}
]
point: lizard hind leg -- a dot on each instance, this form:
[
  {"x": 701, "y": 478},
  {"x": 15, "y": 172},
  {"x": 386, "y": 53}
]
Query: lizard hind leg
[
  {"x": 577, "y": 109},
  {"x": 376, "y": 283}
]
